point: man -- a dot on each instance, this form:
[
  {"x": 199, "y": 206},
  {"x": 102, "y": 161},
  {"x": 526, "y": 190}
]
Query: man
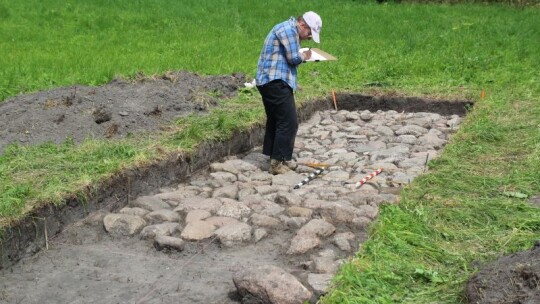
[{"x": 276, "y": 81}]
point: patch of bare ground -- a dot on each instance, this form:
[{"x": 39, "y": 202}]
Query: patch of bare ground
[{"x": 513, "y": 279}]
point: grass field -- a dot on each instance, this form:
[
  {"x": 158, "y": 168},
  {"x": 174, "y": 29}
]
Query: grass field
[{"x": 472, "y": 206}]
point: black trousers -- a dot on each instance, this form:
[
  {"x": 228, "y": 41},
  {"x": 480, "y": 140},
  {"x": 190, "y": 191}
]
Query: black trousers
[{"x": 281, "y": 119}]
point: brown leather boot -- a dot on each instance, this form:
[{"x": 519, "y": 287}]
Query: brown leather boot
[
  {"x": 278, "y": 167},
  {"x": 291, "y": 164}
]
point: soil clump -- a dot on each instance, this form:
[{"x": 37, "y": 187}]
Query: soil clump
[{"x": 513, "y": 279}]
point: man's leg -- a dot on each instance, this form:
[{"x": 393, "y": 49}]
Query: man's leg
[
  {"x": 282, "y": 121},
  {"x": 270, "y": 130},
  {"x": 286, "y": 128}
]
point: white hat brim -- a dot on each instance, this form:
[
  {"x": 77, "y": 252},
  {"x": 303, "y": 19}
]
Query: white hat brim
[{"x": 315, "y": 36}]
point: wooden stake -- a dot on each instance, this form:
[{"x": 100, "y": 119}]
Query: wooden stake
[
  {"x": 128, "y": 190},
  {"x": 46, "y": 236},
  {"x": 334, "y": 97},
  {"x": 314, "y": 165}
]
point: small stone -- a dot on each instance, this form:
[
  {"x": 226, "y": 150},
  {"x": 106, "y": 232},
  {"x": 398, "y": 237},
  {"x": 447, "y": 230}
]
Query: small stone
[
  {"x": 168, "y": 242},
  {"x": 259, "y": 234}
]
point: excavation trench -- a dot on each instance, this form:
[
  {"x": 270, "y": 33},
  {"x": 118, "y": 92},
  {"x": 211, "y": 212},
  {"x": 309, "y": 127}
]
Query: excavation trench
[{"x": 65, "y": 255}]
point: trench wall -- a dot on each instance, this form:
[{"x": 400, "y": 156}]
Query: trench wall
[{"x": 30, "y": 235}]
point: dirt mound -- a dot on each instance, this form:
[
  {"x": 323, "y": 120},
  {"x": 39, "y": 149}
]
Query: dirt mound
[
  {"x": 511, "y": 279},
  {"x": 114, "y": 110}
]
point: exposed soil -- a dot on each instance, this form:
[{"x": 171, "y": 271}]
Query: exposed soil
[
  {"x": 513, "y": 279},
  {"x": 84, "y": 264},
  {"x": 124, "y": 107},
  {"x": 114, "y": 110}
]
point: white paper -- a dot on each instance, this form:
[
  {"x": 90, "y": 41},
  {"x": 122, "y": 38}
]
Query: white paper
[{"x": 314, "y": 55}]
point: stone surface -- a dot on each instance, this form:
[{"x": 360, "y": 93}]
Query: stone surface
[
  {"x": 123, "y": 224},
  {"x": 270, "y": 284},
  {"x": 322, "y": 222}
]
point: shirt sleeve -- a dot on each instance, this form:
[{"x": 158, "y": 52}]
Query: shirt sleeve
[{"x": 290, "y": 42}]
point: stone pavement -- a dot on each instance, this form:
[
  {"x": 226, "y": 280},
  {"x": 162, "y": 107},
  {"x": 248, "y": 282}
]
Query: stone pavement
[{"x": 323, "y": 222}]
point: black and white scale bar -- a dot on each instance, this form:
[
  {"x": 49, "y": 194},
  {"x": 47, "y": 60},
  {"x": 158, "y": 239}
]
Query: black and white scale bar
[{"x": 310, "y": 177}]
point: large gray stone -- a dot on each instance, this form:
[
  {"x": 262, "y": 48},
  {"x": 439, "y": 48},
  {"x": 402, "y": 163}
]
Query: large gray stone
[
  {"x": 163, "y": 215},
  {"x": 270, "y": 285},
  {"x": 151, "y": 203},
  {"x": 233, "y": 234},
  {"x": 152, "y": 231},
  {"x": 123, "y": 224},
  {"x": 198, "y": 230}
]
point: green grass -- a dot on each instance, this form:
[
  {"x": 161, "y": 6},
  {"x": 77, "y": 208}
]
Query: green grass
[
  {"x": 49, "y": 173},
  {"x": 420, "y": 251}
]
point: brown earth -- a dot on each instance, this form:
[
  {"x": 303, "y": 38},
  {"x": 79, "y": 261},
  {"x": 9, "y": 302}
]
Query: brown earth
[
  {"x": 114, "y": 110},
  {"x": 513, "y": 279},
  {"x": 125, "y": 107}
]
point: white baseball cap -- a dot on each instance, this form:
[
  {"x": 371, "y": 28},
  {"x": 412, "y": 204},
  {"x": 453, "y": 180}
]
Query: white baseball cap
[{"x": 314, "y": 21}]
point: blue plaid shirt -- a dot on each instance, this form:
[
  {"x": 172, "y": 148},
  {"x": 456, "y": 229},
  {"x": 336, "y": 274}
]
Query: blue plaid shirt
[{"x": 280, "y": 56}]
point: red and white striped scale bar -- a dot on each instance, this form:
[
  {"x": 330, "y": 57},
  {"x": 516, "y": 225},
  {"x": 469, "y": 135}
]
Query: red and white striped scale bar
[{"x": 368, "y": 177}]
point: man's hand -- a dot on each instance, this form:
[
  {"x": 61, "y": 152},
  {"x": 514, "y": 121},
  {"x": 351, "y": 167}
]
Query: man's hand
[{"x": 307, "y": 54}]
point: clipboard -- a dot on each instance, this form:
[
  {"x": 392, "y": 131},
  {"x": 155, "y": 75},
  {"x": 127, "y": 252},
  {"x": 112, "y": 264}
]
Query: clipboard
[{"x": 318, "y": 55}]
